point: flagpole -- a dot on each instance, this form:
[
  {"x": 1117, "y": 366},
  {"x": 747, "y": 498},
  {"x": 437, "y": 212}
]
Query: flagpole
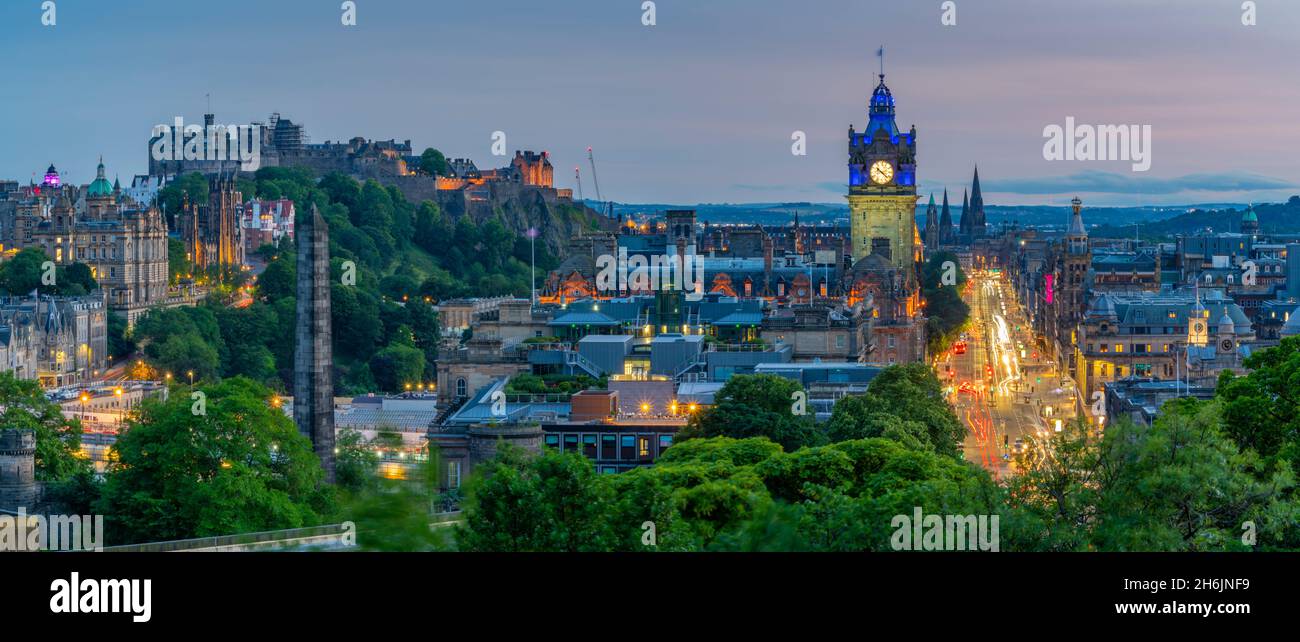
[{"x": 532, "y": 275}]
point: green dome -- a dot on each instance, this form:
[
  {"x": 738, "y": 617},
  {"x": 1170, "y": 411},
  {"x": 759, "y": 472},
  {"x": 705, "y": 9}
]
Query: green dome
[
  {"x": 100, "y": 187},
  {"x": 1250, "y": 216}
]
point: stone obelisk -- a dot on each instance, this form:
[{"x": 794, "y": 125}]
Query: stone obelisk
[{"x": 313, "y": 384}]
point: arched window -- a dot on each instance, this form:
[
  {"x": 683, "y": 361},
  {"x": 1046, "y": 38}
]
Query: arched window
[{"x": 462, "y": 388}]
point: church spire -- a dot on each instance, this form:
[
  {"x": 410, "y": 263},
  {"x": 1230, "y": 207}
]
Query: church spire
[
  {"x": 945, "y": 221},
  {"x": 977, "y": 221},
  {"x": 965, "y": 225},
  {"x": 931, "y": 225}
]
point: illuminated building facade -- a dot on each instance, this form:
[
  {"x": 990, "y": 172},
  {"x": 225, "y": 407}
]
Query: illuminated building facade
[
  {"x": 213, "y": 233},
  {"x": 123, "y": 242}
]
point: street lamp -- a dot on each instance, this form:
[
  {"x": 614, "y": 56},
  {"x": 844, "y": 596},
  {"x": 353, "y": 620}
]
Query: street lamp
[{"x": 191, "y": 373}]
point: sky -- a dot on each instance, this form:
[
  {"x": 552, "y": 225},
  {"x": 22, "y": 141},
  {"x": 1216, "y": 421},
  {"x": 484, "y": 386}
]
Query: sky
[{"x": 699, "y": 107}]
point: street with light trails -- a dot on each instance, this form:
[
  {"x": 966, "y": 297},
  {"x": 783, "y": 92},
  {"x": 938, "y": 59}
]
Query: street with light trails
[{"x": 1006, "y": 391}]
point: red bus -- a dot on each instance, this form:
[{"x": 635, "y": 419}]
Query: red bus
[{"x": 959, "y": 347}]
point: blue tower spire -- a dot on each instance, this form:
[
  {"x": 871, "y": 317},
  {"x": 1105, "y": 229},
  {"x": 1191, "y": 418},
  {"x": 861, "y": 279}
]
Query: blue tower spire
[{"x": 881, "y": 110}]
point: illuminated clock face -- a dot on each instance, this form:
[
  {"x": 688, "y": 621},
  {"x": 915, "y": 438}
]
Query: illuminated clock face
[
  {"x": 1198, "y": 328},
  {"x": 881, "y": 172}
]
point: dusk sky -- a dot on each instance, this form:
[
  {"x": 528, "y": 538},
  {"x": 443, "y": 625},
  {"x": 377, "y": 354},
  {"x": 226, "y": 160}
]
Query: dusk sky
[{"x": 699, "y": 107}]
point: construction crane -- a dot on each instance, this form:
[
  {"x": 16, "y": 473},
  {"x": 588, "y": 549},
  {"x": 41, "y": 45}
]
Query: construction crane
[
  {"x": 591, "y": 157},
  {"x": 606, "y": 208},
  {"x": 577, "y": 175}
]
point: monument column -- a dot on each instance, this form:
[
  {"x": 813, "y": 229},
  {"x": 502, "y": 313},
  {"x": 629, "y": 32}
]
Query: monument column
[{"x": 313, "y": 384}]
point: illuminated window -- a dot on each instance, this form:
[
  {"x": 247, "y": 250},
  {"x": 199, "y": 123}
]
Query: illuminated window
[{"x": 453, "y": 474}]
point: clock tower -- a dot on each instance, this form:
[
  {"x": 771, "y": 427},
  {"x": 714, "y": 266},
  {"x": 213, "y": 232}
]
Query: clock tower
[
  {"x": 882, "y": 186},
  {"x": 1198, "y": 323}
]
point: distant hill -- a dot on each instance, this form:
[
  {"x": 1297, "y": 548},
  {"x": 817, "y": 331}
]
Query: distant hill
[
  {"x": 1274, "y": 218},
  {"x": 764, "y": 213},
  {"x": 1157, "y": 220}
]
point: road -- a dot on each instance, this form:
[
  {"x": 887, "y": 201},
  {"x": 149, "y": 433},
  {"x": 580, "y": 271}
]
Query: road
[{"x": 1002, "y": 388}]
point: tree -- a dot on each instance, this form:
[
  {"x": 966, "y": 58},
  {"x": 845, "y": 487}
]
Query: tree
[
  {"x": 430, "y": 228},
  {"x": 171, "y": 199},
  {"x": 912, "y": 391},
  {"x": 120, "y": 342},
  {"x": 342, "y": 189},
  {"x": 178, "y": 265},
  {"x": 1056, "y": 494},
  {"x": 433, "y": 162},
  {"x": 279, "y": 279},
  {"x": 240, "y": 466},
  {"x": 1261, "y": 410},
  {"x": 354, "y": 467},
  {"x": 23, "y": 273},
  {"x": 1177, "y": 485},
  {"x": 719, "y": 494},
  {"x": 24, "y": 406},
  {"x": 854, "y": 417},
  {"x": 1186, "y": 487},
  {"x": 187, "y": 353},
  {"x": 546, "y": 502},
  {"x": 396, "y": 366},
  {"x": 355, "y": 316},
  {"x": 75, "y": 280},
  {"x": 424, "y": 325},
  {"x": 947, "y": 313},
  {"x": 756, "y": 406}
]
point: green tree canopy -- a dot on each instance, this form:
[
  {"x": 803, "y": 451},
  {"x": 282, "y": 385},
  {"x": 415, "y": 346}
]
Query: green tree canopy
[
  {"x": 24, "y": 406},
  {"x": 433, "y": 162},
  {"x": 240, "y": 467},
  {"x": 756, "y": 406}
]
